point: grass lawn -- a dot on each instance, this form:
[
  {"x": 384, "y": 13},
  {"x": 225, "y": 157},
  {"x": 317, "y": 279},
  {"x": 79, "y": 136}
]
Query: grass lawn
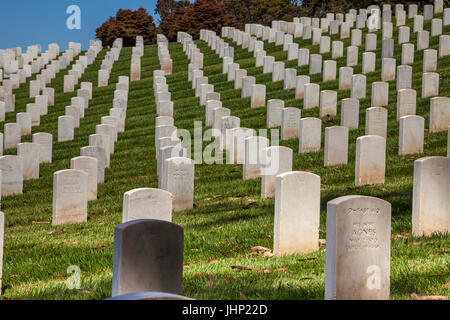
[{"x": 229, "y": 217}]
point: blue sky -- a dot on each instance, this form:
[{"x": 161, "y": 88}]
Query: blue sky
[{"x": 27, "y": 22}]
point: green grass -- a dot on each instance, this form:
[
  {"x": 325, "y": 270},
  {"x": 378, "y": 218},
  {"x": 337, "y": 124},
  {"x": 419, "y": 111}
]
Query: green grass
[{"x": 229, "y": 217}]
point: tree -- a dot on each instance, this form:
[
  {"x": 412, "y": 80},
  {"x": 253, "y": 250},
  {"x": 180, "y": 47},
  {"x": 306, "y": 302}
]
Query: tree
[
  {"x": 202, "y": 14},
  {"x": 127, "y": 24},
  {"x": 262, "y": 11},
  {"x": 166, "y": 7}
]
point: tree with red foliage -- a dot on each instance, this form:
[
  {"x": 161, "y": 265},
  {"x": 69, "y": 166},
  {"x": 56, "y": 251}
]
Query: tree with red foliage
[
  {"x": 127, "y": 24},
  {"x": 202, "y": 14}
]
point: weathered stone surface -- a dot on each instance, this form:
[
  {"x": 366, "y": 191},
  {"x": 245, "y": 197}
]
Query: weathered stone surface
[
  {"x": 406, "y": 102},
  {"x": 380, "y": 94},
  {"x": 300, "y": 86},
  {"x": 337, "y": 49},
  {"x": 290, "y": 78},
  {"x": 276, "y": 160},
  {"x": 358, "y": 86},
  {"x": 431, "y": 203},
  {"x": 407, "y": 53},
  {"x": 310, "y": 135},
  {"x": 329, "y": 70},
  {"x": 74, "y": 113},
  {"x": 258, "y": 96},
  {"x": 404, "y": 77},
  {"x": 110, "y": 131},
  {"x": 88, "y": 165},
  {"x": 370, "y": 161},
  {"x": 430, "y": 84},
  {"x": 311, "y": 96},
  {"x": 98, "y": 153},
  {"x": 345, "y": 78},
  {"x": 102, "y": 140},
  {"x": 147, "y": 203},
  {"x": 439, "y": 114},
  {"x": 429, "y": 60},
  {"x": 387, "y": 48},
  {"x": 23, "y": 119},
  {"x": 350, "y": 113},
  {"x": 403, "y": 34},
  {"x": 11, "y": 175},
  {"x": 297, "y": 213},
  {"x": 254, "y": 152},
  {"x": 358, "y": 249},
  {"x": 273, "y": 114},
  {"x": 376, "y": 121},
  {"x": 423, "y": 40},
  {"x": 30, "y": 154},
  {"x": 179, "y": 176},
  {"x": 411, "y": 135},
  {"x": 148, "y": 256},
  {"x": 368, "y": 63},
  {"x": 388, "y": 69},
  {"x": 352, "y": 56},
  {"x": 289, "y": 123},
  {"x": 70, "y": 190},
  {"x": 315, "y": 64},
  {"x": 336, "y": 146},
  {"x": 444, "y": 44},
  {"x": 328, "y": 103},
  {"x": 65, "y": 128},
  {"x": 12, "y": 135},
  {"x": 371, "y": 42}
]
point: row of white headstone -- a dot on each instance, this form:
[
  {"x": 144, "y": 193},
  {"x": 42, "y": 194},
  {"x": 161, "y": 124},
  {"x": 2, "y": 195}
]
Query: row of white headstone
[
  {"x": 175, "y": 169},
  {"x": 74, "y": 75},
  {"x": 411, "y": 127},
  {"x": 25, "y": 166},
  {"x": 310, "y": 28},
  {"x": 358, "y": 233},
  {"x": 108, "y": 62},
  {"x": 163, "y": 54},
  {"x": 47, "y": 60},
  {"x": 137, "y": 54},
  {"x": 328, "y": 99},
  {"x": 358, "y": 241},
  {"x": 73, "y": 188},
  {"x": 309, "y": 131},
  {"x": 31, "y": 118}
]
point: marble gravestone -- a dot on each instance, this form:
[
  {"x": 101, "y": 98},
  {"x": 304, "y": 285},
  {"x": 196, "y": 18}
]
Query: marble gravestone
[
  {"x": 148, "y": 256},
  {"x": 297, "y": 213},
  {"x": 179, "y": 176},
  {"x": 358, "y": 249},
  {"x": 370, "y": 164},
  {"x": 45, "y": 142},
  {"x": 11, "y": 175},
  {"x": 336, "y": 146},
  {"x": 30, "y": 154},
  {"x": 147, "y": 203},
  {"x": 70, "y": 197},
  {"x": 276, "y": 160},
  {"x": 411, "y": 135},
  {"x": 431, "y": 203},
  {"x": 254, "y": 153},
  {"x": 88, "y": 165}
]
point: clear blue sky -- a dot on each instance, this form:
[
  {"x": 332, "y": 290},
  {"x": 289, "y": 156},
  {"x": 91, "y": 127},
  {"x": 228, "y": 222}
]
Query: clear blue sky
[{"x": 27, "y": 22}]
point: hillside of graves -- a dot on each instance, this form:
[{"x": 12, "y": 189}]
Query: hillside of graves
[{"x": 242, "y": 240}]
